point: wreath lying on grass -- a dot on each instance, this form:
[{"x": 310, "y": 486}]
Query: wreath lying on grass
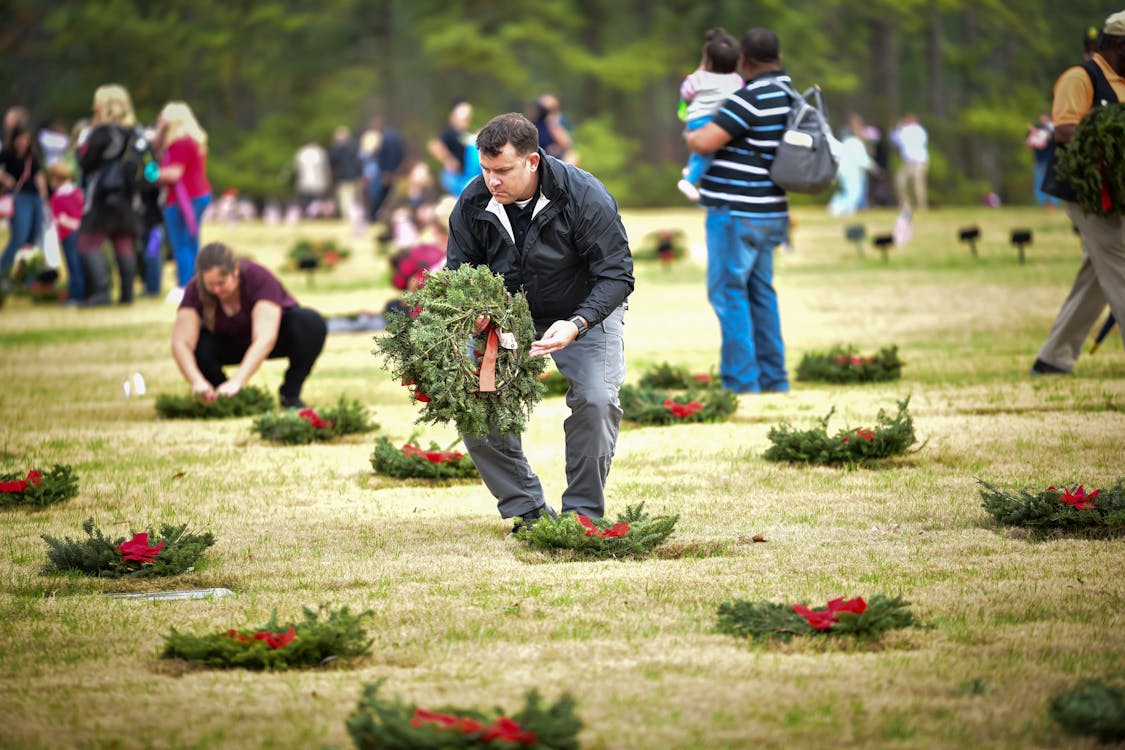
[
  {"x": 1091, "y": 162},
  {"x": 1093, "y": 707},
  {"x": 554, "y": 383},
  {"x": 58, "y": 484},
  {"x": 633, "y": 534},
  {"x": 666, "y": 375},
  {"x": 480, "y": 381},
  {"x": 664, "y": 245},
  {"x": 143, "y": 555},
  {"x": 413, "y": 462},
  {"x": 863, "y": 619},
  {"x": 324, "y": 636},
  {"x": 841, "y": 364},
  {"x": 291, "y": 427},
  {"x": 317, "y": 253},
  {"x": 249, "y": 401},
  {"x": 658, "y": 407},
  {"x": 1061, "y": 509},
  {"x": 892, "y": 436},
  {"x": 376, "y": 724}
]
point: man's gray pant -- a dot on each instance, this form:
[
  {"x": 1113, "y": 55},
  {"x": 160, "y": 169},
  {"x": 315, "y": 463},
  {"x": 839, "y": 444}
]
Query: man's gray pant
[{"x": 595, "y": 367}]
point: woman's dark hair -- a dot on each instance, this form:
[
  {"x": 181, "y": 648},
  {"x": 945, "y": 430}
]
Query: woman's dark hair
[
  {"x": 721, "y": 49},
  {"x": 511, "y": 128},
  {"x": 212, "y": 255}
]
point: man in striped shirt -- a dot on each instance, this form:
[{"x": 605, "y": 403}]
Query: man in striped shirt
[{"x": 747, "y": 217}]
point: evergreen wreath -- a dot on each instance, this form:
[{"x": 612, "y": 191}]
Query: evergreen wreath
[
  {"x": 143, "y": 555},
  {"x": 1092, "y": 161},
  {"x": 440, "y": 353},
  {"x": 634, "y": 534},
  {"x": 659, "y": 407},
  {"x": 378, "y": 724},
  {"x": 320, "y": 253},
  {"x": 413, "y": 462},
  {"x": 665, "y": 245},
  {"x": 323, "y": 636},
  {"x": 293, "y": 427},
  {"x": 1058, "y": 509},
  {"x": 667, "y": 375},
  {"x": 842, "y": 364},
  {"x": 1092, "y": 707},
  {"x": 249, "y": 401},
  {"x": 59, "y": 483},
  {"x": 863, "y": 619},
  {"x": 892, "y": 436}
]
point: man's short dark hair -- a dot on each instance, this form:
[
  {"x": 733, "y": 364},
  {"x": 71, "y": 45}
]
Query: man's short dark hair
[
  {"x": 761, "y": 46},
  {"x": 511, "y": 128},
  {"x": 721, "y": 49}
]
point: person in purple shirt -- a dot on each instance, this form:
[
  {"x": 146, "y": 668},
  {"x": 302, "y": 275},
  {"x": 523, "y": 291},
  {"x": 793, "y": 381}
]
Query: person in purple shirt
[{"x": 236, "y": 312}]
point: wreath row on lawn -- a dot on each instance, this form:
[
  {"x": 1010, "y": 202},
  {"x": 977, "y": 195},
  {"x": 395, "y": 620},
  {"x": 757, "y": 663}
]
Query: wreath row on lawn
[
  {"x": 146, "y": 554},
  {"x": 248, "y": 402},
  {"x": 412, "y": 462},
  {"x": 57, "y": 484},
  {"x": 1065, "y": 509},
  {"x": 478, "y": 380},
  {"x": 378, "y": 724},
  {"x": 842, "y": 364},
  {"x": 633, "y": 534},
  {"x": 863, "y": 619},
  {"x": 292, "y": 427},
  {"x": 323, "y": 636},
  {"x": 892, "y": 436}
]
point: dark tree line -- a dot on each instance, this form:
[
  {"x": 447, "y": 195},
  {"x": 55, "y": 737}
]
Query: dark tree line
[{"x": 265, "y": 76}]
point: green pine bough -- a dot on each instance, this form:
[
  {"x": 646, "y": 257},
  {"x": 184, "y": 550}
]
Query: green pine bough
[
  {"x": 1061, "y": 509},
  {"x": 57, "y": 484},
  {"x": 892, "y": 436},
  {"x": 863, "y": 620},
  {"x": 842, "y": 364},
  {"x": 147, "y": 554},
  {"x": 634, "y": 534},
  {"x": 654, "y": 406},
  {"x": 1093, "y": 707},
  {"x": 249, "y": 401},
  {"x": 293, "y": 427},
  {"x": 438, "y": 352},
  {"x": 414, "y": 462},
  {"x": 378, "y": 724},
  {"x": 666, "y": 375},
  {"x": 1092, "y": 161},
  {"x": 323, "y": 636}
]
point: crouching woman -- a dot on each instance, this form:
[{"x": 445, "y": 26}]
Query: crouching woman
[{"x": 236, "y": 312}]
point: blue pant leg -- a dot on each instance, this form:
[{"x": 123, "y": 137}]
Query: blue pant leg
[
  {"x": 764, "y": 236},
  {"x": 728, "y": 268},
  {"x": 21, "y": 228},
  {"x": 75, "y": 273}
]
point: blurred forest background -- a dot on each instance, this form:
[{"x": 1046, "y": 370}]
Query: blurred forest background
[{"x": 264, "y": 77}]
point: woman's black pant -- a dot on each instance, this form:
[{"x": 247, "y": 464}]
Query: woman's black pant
[{"x": 300, "y": 338}]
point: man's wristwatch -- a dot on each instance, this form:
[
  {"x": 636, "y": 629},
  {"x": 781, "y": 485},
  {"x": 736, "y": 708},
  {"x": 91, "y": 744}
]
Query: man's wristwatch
[{"x": 581, "y": 324}]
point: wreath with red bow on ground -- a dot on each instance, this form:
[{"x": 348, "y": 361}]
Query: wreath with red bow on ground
[
  {"x": 633, "y": 534},
  {"x": 303, "y": 426},
  {"x": 322, "y": 637},
  {"x": 842, "y": 364},
  {"x": 147, "y": 554},
  {"x": 307, "y": 255},
  {"x": 249, "y": 401},
  {"x": 378, "y": 724},
  {"x": 57, "y": 484},
  {"x": 865, "y": 619},
  {"x": 1059, "y": 510},
  {"x": 414, "y": 462},
  {"x": 891, "y": 436},
  {"x": 668, "y": 394}
]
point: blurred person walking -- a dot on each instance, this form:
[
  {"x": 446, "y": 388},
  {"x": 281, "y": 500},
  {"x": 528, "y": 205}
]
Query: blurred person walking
[
  {"x": 187, "y": 193},
  {"x": 21, "y": 176}
]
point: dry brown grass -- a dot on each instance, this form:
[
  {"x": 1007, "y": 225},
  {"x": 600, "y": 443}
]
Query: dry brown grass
[{"x": 465, "y": 616}]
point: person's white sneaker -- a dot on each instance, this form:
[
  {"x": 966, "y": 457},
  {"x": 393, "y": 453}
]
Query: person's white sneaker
[
  {"x": 176, "y": 296},
  {"x": 689, "y": 190}
]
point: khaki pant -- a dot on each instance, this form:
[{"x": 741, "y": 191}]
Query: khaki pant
[
  {"x": 1100, "y": 279},
  {"x": 912, "y": 173}
]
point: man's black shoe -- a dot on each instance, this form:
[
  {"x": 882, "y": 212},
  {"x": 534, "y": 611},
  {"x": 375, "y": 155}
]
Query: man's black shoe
[
  {"x": 291, "y": 403},
  {"x": 1046, "y": 368},
  {"x": 526, "y": 521}
]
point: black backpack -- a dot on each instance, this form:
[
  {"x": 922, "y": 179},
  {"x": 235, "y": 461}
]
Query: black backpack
[
  {"x": 1103, "y": 95},
  {"x": 130, "y": 171}
]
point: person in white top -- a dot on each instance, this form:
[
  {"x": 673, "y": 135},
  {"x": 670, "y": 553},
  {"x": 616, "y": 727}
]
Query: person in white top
[
  {"x": 913, "y": 145},
  {"x": 701, "y": 95}
]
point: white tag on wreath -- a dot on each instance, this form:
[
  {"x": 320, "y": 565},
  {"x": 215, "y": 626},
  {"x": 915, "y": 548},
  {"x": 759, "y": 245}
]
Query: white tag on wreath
[{"x": 508, "y": 340}]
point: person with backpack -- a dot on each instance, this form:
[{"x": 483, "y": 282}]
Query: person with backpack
[
  {"x": 1101, "y": 277},
  {"x": 183, "y": 172},
  {"x": 109, "y": 213},
  {"x": 747, "y": 217}
]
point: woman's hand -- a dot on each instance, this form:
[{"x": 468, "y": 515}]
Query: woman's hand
[
  {"x": 203, "y": 389},
  {"x": 230, "y": 387}
]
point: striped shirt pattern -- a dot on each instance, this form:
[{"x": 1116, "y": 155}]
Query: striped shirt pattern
[{"x": 739, "y": 177}]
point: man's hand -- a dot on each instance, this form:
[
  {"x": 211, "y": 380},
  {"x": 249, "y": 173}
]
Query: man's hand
[{"x": 558, "y": 336}]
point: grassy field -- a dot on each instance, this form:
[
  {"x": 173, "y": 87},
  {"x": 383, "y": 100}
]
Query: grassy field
[{"x": 464, "y": 616}]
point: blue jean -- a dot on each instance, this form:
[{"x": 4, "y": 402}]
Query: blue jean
[
  {"x": 24, "y": 228},
  {"x": 185, "y": 245},
  {"x": 75, "y": 273},
  {"x": 697, "y": 164},
  {"x": 740, "y": 289},
  {"x": 1040, "y": 197}
]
